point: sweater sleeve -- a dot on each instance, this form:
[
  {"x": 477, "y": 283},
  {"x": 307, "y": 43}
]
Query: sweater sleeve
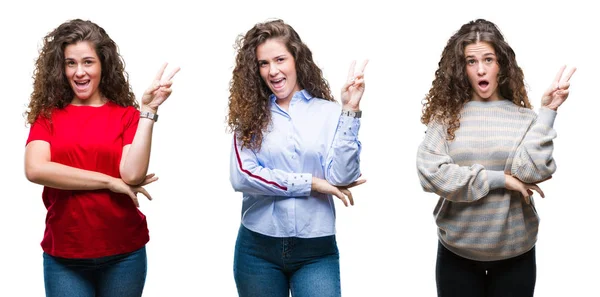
[
  {"x": 533, "y": 159},
  {"x": 438, "y": 173}
]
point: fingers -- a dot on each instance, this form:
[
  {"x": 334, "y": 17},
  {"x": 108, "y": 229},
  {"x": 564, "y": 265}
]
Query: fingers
[
  {"x": 349, "y": 195},
  {"x": 155, "y": 86},
  {"x": 150, "y": 178},
  {"x": 537, "y": 189},
  {"x": 362, "y": 68},
  {"x": 351, "y": 71},
  {"x": 356, "y": 183},
  {"x": 559, "y": 74},
  {"x": 133, "y": 197},
  {"x": 143, "y": 191},
  {"x": 569, "y": 74},
  {"x": 172, "y": 74},
  {"x": 338, "y": 193},
  {"x": 161, "y": 72}
]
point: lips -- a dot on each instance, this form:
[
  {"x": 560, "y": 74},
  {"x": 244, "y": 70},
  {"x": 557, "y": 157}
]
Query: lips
[
  {"x": 483, "y": 84},
  {"x": 82, "y": 84},
  {"x": 278, "y": 83}
]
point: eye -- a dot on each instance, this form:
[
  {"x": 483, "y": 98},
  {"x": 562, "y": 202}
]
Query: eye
[
  {"x": 470, "y": 61},
  {"x": 262, "y": 64},
  {"x": 489, "y": 60},
  {"x": 88, "y": 62},
  {"x": 281, "y": 59}
]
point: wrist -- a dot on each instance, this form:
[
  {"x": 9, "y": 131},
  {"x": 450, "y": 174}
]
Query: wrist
[
  {"x": 146, "y": 108},
  {"x": 351, "y": 107}
]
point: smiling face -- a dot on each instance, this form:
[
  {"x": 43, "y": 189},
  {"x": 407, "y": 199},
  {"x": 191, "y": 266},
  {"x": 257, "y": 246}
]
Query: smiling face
[
  {"x": 482, "y": 71},
  {"x": 83, "y": 70},
  {"x": 277, "y": 68}
]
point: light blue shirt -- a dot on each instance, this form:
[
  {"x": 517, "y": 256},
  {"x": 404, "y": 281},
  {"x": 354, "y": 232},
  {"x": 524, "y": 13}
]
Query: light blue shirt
[{"x": 311, "y": 139}]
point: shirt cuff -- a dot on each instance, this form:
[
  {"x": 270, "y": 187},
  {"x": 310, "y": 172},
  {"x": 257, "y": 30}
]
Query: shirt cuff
[
  {"x": 546, "y": 116},
  {"x": 348, "y": 127},
  {"x": 299, "y": 184},
  {"x": 496, "y": 179}
]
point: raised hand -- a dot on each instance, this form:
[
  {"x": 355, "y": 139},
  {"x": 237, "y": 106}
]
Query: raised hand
[
  {"x": 354, "y": 87},
  {"x": 515, "y": 184},
  {"x": 159, "y": 90},
  {"x": 341, "y": 192},
  {"x": 117, "y": 185},
  {"x": 558, "y": 91}
]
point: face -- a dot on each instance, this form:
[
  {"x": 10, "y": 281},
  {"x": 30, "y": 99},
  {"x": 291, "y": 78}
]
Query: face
[
  {"x": 482, "y": 70},
  {"x": 83, "y": 70},
  {"x": 277, "y": 69}
]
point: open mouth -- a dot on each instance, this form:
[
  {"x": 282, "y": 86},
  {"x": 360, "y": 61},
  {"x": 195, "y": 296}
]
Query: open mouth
[
  {"x": 82, "y": 84},
  {"x": 278, "y": 83},
  {"x": 483, "y": 84}
]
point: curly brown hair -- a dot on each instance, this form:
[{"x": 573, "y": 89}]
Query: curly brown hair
[
  {"x": 451, "y": 89},
  {"x": 51, "y": 88},
  {"x": 249, "y": 104}
]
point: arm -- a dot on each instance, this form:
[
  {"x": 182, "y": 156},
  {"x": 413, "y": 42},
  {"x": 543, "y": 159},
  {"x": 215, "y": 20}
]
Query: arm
[
  {"x": 438, "y": 173},
  {"x": 249, "y": 176},
  {"x": 533, "y": 159},
  {"x": 40, "y": 170},
  {"x": 136, "y": 157},
  {"x": 342, "y": 165}
]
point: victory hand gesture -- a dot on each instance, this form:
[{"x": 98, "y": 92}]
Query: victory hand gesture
[
  {"x": 558, "y": 91},
  {"x": 354, "y": 87},
  {"x": 159, "y": 90}
]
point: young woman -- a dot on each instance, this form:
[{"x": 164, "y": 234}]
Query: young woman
[
  {"x": 484, "y": 152},
  {"x": 89, "y": 146},
  {"x": 294, "y": 148}
]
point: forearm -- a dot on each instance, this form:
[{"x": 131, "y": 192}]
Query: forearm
[
  {"x": 534, "y": 160},
  {"x": 343, "y": 166},
  {"x": 136, "y": 162},
  {"x": 59, "y": 176}
]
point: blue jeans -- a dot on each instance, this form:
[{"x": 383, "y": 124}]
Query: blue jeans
[
  {"x": 267, "y": 266},
  {"x": 113, "y": 276}
]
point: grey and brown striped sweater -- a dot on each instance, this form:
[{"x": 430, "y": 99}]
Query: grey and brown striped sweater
[{"x": 477, "y": 217}]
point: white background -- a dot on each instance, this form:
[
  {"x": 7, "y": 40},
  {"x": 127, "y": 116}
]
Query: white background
[{"x": 388, "y": 239}]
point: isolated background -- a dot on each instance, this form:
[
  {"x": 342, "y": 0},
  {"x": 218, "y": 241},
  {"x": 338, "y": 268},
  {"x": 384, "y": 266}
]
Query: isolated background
[{"x": 388, "y": 239}]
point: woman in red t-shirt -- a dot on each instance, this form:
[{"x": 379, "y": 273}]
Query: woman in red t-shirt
[{"x": 89, "y": 149}]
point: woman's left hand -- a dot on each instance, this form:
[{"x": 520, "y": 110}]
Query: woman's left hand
[
  {"x": 558, "y": 91},
  {"x": 159, "y": 90},
  {"x": 354, "y": 88}
]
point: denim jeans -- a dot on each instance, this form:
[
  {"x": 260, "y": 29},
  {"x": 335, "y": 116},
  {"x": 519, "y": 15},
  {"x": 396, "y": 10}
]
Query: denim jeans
[
  {"x": 113, "y": 276},
  {"x": 457, "y": 276},
  {"x": 267, "y": 266}
]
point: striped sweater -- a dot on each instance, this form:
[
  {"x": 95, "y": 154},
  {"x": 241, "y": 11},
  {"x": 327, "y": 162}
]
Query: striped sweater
[{"x": 477, "y": 217}]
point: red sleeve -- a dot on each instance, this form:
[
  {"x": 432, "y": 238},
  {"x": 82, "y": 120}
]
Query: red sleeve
[
  {"x": 41, "y": 129},
  {"x": 130, "y": 123}
]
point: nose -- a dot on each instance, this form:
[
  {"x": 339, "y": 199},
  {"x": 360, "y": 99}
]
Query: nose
[
  {"x": 80, "y": 71},
  {"x": 273, "y": 70},
  {"x": 481, "y": 69}
]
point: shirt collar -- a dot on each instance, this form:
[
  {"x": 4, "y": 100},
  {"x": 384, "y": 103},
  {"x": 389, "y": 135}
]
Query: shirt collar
[{"x": 302, "y": 94}]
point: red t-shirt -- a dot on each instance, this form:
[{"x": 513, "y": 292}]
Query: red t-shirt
[{"x": 98, "y": 223}]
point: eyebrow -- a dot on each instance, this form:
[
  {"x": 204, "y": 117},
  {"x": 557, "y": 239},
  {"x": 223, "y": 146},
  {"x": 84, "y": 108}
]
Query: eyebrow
[
  {"x": 485, "y": 55},
  {"x": 84, "y": 58},
  {"x": 276, "y": 57}
]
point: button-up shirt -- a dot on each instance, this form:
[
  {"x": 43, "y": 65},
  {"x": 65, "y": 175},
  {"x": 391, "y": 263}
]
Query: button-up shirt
[{"x": 311, "y": 138}]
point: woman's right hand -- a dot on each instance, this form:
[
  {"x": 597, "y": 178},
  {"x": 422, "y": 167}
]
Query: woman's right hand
[
  {"x": 341, "y": 192},
  {"x": 117, "y": 185},
  {"x": 515, "y": 184}
]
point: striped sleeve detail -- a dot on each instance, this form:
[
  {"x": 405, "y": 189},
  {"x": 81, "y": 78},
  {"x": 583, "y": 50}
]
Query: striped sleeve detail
[{"x": 239, "y": 161}]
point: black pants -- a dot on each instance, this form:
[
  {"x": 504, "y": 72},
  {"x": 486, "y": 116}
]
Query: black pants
[{"x": 457, "y": 276}]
